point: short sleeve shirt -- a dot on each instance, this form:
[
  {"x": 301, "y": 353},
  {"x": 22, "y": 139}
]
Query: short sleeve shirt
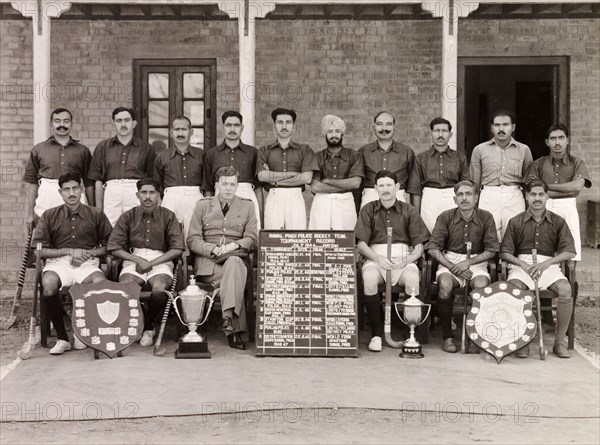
[
  {"x": 399, "y": 159},
  {"x": 559, "y": 171},
  {"x": 295, "y": 158},
  {"x": 407, "y": 225},
  {"x": 61, "y": 228},
  {"x": 346, "y": 164},
  {"x": 50, "y": 160},
  {"x": 551, "y": 236},
  {"x": 242, "y": 158},
  {"x": 112, "y": 160},
  {"x": 173, "y": 168},
  {"x": 438, "y": 170},
  {"x": 452, "y": 231},
  {"x": 157, "y": 230}
]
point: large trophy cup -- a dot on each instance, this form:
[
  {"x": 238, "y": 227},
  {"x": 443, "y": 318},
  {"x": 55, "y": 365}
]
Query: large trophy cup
[
  {"x": 193, "y": 305},
  {"x": 413, "y": 317}
]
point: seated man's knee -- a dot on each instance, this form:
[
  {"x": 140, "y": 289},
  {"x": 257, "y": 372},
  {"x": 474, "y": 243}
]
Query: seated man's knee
[
  {"x": 411, "y": 279},
  {"x": 50, "y": 284},
  {"x": 563, "y": 290},
  {"x": 160, "y": 282},
  {"x": 235, "y": 263},
  {"x": 371, "y": 280},
  {"x": 479, "y": 282},
  {"x": 445, "y": 285}
]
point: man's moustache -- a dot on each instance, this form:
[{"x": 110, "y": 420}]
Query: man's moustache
[{"x": 61, "y": 128}]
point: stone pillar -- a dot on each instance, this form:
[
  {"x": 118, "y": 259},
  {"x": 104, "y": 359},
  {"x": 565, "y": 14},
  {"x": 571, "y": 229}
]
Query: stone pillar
[
  {"x": 246, "y": 12},
  {"x": 41, "y": 12},
  {"x": 450, "y": 12}
]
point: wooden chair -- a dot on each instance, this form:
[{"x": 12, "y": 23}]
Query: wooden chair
[{"x": 568, "y": 270}]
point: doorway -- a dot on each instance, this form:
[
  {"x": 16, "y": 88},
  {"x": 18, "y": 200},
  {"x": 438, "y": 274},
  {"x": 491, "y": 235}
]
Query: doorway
[{"x": 535, "y": 89}]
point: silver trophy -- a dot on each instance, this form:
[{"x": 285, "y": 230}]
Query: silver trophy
[
  {"x": 413, "y": 317},
  {"x": 193, "y": 305}
]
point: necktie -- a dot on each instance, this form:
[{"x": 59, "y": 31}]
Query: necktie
[{"x": 225, "y": 209}]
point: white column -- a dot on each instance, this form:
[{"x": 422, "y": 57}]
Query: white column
[
  {"x": 246, "y": 12},
  {"x": 41, "y": 12},
  {"x": 450, "y": 12}
]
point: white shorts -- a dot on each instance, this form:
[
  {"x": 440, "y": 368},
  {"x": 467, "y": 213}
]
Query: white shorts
[
  {"x": 548, "y": 278},
  {"x": 48, "y": 196},
  {"x": 333, "y": 211},
  {"x": 370, "y": 194},
  {"x": 119, "y": 196},
  {"x": 434, "y": 202},
  {"x": 147, "y": 254},
  {"x": 479, "y": 269},
  {"x": 399, "y": 252},
  {"x": 567, "y": 208},
  {"x": 503, "y": 202},
  {"x": 285, "y": 209},
  {"x": 182, "y": 201},
  {"x": 246, "y": 190},
  {"x": 69, "y": 274}
]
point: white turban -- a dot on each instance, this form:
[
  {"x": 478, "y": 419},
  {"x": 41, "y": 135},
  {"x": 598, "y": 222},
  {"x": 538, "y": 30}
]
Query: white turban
[{"x": 332, "y": 121}]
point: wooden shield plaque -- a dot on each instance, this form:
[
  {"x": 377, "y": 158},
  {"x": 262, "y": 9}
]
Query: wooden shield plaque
[
  {"x": 501, "y": 319},
  {"x": 107, "y": 316}
]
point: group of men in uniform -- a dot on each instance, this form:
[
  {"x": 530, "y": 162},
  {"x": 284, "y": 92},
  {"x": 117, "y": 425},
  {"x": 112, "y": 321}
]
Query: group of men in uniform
[{"x": 214, "y": 200}]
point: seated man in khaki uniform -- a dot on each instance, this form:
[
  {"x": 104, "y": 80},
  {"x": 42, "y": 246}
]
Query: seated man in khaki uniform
[{"x": 223, "y": 231}]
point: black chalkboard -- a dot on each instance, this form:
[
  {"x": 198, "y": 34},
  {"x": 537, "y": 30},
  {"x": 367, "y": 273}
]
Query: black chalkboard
[{"x": 307, "y": 294}]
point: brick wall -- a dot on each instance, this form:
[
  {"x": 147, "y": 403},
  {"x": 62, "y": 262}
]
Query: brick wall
[{"x": 349, "y": 68}]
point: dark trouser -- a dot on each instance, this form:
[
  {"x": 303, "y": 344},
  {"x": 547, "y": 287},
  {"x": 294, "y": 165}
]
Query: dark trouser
[
  {"x": 155, "y": 308},
  {"x": 444, "y": 310}
]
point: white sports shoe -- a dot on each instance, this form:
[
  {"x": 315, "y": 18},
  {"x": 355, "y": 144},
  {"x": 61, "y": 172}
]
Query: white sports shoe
[
  {"x": 78, "y": 344},
  {"x": 375, "y": 344},
  {"x": 147, "y": 338},
  {"x": 60, "y": 347}
]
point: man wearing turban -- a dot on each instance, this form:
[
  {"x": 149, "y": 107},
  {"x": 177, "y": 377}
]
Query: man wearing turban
[{"x": 340, "y": 171}]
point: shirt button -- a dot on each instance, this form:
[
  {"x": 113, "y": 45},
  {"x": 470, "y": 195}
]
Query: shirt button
[
  {"x": 123, "y": 162},
  {"x": 184, "y": 176},
  {"x": 147, "y": 240}
]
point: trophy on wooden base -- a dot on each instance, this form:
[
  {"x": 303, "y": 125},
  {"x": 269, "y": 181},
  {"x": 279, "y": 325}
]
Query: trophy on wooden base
[
  {"x": 193, "y": 305},
  {"x": 413, "y": 317}
]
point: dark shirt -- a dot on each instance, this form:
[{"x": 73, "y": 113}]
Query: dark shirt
[
  {"x": 374, "y": 219},
  {"x": 452, "y": 231},
  {"x": 242, "y": 158},
  {"x": 295, "y": 158},
  {"x": 551, "y": 236},
  {"x": 437, "y": 170},
  {"x": 59, "y": 228},
  {"x": 399, "y": 159},
  {"x": 347, "y": 164},
  {"x": 559, "y": 171},
  {"x": 50, "y": 160},
  {"x": 158, "y": 230},
  {"x": 173, "y": 169},
  {"x": 112, "y": 160}
]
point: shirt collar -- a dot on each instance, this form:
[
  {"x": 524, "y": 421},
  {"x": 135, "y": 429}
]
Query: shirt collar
[
  {"x": 222, "y": 146},
  {"x": 433, "y": 151},
  {"x": 67, "y": 212},
  {"x": 291, "y": 145},
  {"x": 154, "y": 213},
  {"x": 343, "y": 154},
  {"x": 394, "y": 147},
  {"x": 71, "y": 140},
  {"x": 564, "y": 160},
  {"x": 529, "y": 215},
  {"x": 475, "y": 217},
  {"x": 192, "y": 151},
  {"x": 397, "y": 205},
  {"x": 114, "y": 140},
  {"x": 512, "y": 142}
]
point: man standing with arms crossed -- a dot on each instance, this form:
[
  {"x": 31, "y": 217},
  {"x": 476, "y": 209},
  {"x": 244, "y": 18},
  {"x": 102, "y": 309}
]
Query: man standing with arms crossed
[
  {"x": 435, "y": 173},
  {"x": 179, "y": 171},
  {"x": 118, "y": 163},
  {"x": 286, "y": 167},
  {"x": 385, "y": 154},
  {"x": 498, "y": 167},
  {"x": 340, "y": 171},
  {"x": 232, "y": 152},
  {"x": 49, "y": 160}
]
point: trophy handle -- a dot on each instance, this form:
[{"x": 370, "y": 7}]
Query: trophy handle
[
  {"x": 212, "y": 300},
  {"x": 177, "y": 310},
  {"x": 396, "y": 304},
  {"x": 427, "y": 314}
]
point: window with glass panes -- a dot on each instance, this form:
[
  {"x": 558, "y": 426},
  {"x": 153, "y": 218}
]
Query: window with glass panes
[{"x": 165, "y": 89}]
